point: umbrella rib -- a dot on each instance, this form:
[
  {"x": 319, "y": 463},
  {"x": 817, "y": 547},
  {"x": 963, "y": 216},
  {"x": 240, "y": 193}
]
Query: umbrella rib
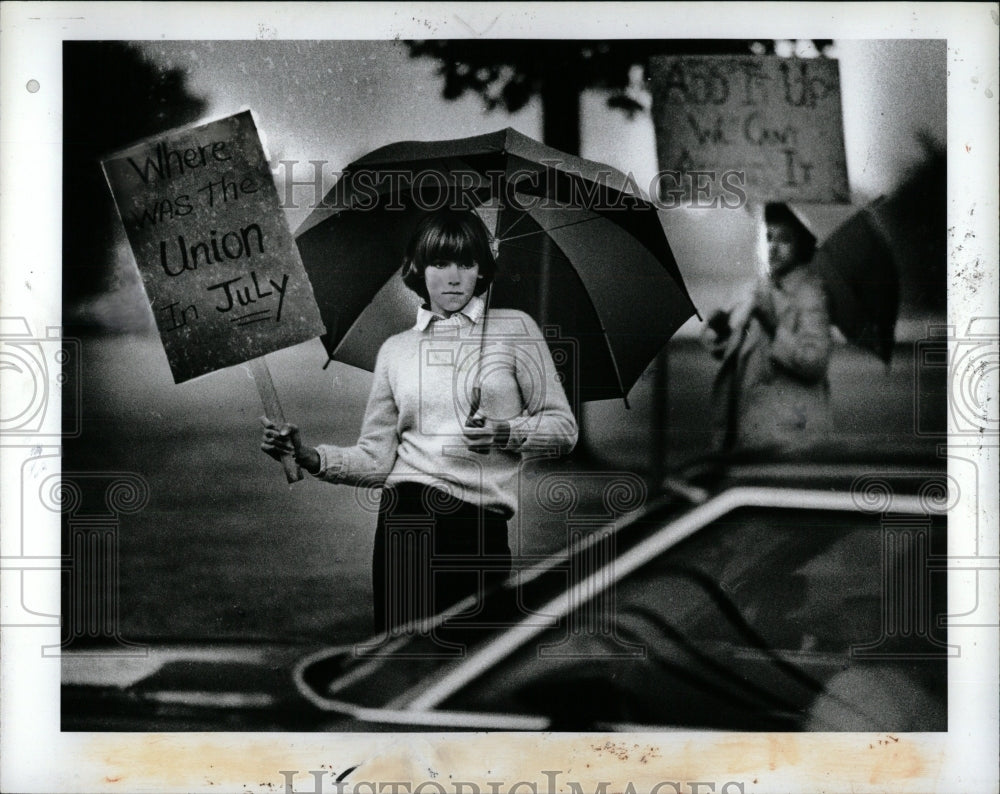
[
  {"x": 546, "y": 230},
  {"x": 561, "y": 256},
  {"x": 614, "y": 364},
  {"x": 520, "y": 218}
]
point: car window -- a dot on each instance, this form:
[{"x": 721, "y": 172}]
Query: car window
[{"x": 744, "y": 625}]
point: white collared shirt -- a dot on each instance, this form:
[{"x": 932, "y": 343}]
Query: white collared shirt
[{"x": 472, "y": 313}]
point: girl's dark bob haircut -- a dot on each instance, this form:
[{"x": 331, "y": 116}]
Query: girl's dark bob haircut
[
  {"x": 449, "y": 235},
  {"x": 777, "y": 213}
]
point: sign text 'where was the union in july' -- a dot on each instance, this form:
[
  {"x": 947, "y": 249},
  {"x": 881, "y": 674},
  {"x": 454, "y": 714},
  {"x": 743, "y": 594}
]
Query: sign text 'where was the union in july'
[{"x": 221, "y": 270}]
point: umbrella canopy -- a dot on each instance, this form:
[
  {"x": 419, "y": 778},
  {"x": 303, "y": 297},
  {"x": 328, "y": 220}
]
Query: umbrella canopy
[
  {"x": 859, "y": 273},
  {"x": 578, "y": 246}
]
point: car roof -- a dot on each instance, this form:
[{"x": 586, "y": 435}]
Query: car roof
[{"x": 841, "y": 480}]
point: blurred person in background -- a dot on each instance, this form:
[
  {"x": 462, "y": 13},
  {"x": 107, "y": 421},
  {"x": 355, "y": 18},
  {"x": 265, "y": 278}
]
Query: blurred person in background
[{"x": 771, "y": 391}]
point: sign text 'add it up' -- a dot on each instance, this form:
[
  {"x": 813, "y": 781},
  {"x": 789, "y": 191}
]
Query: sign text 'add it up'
[
  {"x": 778, "y": 121},
  {"x": 219, "y": 264}
]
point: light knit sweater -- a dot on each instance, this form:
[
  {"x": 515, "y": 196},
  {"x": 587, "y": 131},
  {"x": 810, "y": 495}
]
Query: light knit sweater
[{"x": 421, "y": 397}]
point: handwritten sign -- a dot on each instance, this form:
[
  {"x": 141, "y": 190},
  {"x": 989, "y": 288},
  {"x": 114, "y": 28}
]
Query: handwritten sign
[
  {"x": 775, "y": 120},
  {"x": 219, "y": 264}
]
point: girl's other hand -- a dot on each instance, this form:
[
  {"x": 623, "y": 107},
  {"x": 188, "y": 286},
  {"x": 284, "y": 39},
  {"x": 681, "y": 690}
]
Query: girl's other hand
[{"x": 482, "y": 433}]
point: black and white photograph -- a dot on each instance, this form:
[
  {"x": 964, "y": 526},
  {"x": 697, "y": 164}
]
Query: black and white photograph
[{"x": 499, "y": 397}]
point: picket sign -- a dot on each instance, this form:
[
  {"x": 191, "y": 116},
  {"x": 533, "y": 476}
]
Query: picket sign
[
  {"x": 736, "y": 127},
  {"x": 220, "y": 267}
]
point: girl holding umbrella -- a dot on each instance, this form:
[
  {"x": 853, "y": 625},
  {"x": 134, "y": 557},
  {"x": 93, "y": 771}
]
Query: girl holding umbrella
[{"x": 456, "y": 402}]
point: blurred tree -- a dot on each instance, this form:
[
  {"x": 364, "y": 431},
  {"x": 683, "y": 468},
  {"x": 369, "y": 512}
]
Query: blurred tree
[
  {"x": 112, "y": 96},
  {"x": 915, "y": 216},
  {"x": 508, "y": 73}
]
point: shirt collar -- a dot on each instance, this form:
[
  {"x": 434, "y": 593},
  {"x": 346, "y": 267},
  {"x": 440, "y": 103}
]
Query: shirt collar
[{"x": 473, "y": 312}]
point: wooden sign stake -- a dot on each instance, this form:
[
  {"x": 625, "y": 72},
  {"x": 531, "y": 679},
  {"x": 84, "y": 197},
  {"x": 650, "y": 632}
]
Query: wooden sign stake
[{"x": 272, "y": 409}]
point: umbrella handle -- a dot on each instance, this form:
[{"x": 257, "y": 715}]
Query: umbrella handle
[
  {"x": 477, "y": 394},
  {"x": 477, "y": 391}
]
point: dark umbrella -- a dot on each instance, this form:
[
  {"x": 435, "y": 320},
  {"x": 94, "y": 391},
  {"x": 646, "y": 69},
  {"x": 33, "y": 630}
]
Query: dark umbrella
[
  {"x": 859, "y": 273},
  {"x": 578, "y": 248}
]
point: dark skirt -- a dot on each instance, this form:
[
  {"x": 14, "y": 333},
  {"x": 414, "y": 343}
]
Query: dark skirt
[{"x": 431, "y": 551}]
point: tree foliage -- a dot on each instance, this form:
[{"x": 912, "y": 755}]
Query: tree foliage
[
  {"x": 509, "y": 73},
  {"x": 112, "y": 97}
]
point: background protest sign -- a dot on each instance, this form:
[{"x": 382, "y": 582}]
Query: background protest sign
[
  {"x": 218, "y": 262},
  {"x": 776, "y": 120}
]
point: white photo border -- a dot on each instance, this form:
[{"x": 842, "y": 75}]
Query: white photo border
[{"x": 36, "y": 756}]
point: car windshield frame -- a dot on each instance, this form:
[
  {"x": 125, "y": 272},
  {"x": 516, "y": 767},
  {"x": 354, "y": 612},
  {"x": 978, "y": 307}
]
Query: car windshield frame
[{"x": 423, "y": 704}]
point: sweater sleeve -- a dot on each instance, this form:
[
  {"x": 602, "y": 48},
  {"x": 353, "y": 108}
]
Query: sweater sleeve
[
  {"x": 370, "y": 461},
  {"x": 802, "y": 339},
  {"x": 546, "y": 422}
]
